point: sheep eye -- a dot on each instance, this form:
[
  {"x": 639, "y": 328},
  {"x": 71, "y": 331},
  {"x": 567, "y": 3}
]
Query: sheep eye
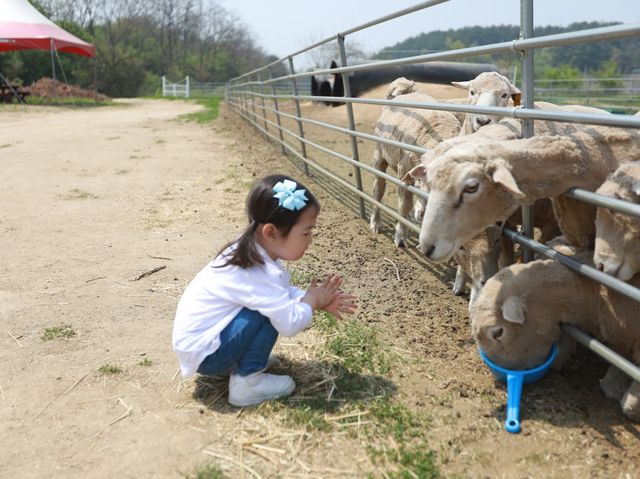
[
  {"x": 504, "y": 95},
  {"x": 471, "y": 188},
  {"x": 471, "y": 92}
]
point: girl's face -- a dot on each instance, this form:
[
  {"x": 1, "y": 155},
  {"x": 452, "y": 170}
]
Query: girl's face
[{"x": 293, "y": 246}]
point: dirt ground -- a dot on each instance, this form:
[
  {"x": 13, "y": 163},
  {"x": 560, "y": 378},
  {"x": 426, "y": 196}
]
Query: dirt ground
[{"x": 92, "y": 199}]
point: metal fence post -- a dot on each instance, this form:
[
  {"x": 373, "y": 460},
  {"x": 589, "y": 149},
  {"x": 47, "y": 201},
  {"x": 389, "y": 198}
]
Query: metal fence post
[
  {"x": 187, "y": 90},
  {"x": 526, "y": 31},
  {"x": 264, "y": 110},
  {"x": 352, "y": 123},
  {"x": 303, "y": 145},
  {"x": 252, "y": 99},
  {"x": 275, "y": 103}
]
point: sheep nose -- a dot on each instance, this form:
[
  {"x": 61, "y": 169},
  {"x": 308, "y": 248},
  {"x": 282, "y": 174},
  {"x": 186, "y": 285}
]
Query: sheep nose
[
  {"x": 600, "y": 266},
  {"x": 496, "y": 332},
  {"x": 483, "y": 121}
]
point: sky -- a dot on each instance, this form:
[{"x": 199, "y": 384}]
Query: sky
[{"x": 282, "y": 27}]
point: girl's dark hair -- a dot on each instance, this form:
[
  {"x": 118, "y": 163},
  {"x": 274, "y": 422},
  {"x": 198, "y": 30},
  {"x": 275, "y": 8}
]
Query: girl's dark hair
[{"x": 263, "y": 208}]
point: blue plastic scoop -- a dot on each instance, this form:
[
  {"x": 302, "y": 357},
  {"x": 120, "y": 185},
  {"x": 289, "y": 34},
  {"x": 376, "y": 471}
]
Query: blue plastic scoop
[{"x": 515, "y": 379}]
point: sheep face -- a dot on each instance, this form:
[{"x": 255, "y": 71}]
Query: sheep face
[
  {"x": 507, "y": 327},
  {"x": 617, "y": 247},
  {"x": 465, "y": 197},
  {"x": 489, "y": 89}
]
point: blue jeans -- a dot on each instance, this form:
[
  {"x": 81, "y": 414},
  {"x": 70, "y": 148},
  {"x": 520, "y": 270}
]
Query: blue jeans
[{"x": 245, "y": 345}]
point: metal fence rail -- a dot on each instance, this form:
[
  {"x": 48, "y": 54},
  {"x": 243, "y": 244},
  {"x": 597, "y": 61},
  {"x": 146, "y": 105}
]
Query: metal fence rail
[{"x": 249, "y": 94}]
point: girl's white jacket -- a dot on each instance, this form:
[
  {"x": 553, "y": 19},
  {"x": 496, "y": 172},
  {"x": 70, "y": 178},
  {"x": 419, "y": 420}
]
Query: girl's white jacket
[{"x": 217, "y": 294}]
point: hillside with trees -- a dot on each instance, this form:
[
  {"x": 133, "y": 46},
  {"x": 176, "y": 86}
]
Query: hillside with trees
[
  {"x": 600, "y": 59},
  {"x": 138, "y": 41}
]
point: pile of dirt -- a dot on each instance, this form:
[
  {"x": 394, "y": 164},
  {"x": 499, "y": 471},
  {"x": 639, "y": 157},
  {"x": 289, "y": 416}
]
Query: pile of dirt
[{"x": 50, "y": 88}]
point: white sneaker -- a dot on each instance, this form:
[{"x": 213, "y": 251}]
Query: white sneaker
[{"x": 257, "y": 388}]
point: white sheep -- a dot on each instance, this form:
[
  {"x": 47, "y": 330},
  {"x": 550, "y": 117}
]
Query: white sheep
[
  {"x": 487, "y": 89},
  {"x": 479, "y": 258},
  {"x": 425, "y": 128},
  {"x": 617, "y": 247},
  {"x": 517, "y": 317},
  {"x": 475, "y": 181}
]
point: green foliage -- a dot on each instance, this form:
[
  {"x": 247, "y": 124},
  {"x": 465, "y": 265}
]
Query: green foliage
[
  {"x": 211, "y": 104},
  {"x": 570, "y": 76},
  {"x": 206, "y": 471},
  {"x": 64, "y": 331},
  {"x": 359, "y": 348},
  {"x": 609, "y": 74},
  {"x": 133, "y": 50},
  {"x": 110, "y": 369},
  {"x": 586, "y": 58}
]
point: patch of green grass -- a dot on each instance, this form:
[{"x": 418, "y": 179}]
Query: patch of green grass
[
  {"x": 206, "y": 471},
  {"x": 145, "y": 362},
  {"x": 412, "y": 458},
  {"x": 110, "y": 369},
  {"x": 212, "y": 106},
  {"x": 64, "y": 331},
  {"x": 75, "y": 102},
  {"x": 300, "y": 278},
  {"x": 359, "y": 348},
  {"x": 78, "y": 194}
]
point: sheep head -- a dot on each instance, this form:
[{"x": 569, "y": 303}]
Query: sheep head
[
  {"x": 617, "y": 247},
  {"x": 470, "y": 189},
  {"x": 513, "y": 330},
  {"x": 489, "y": 89},
  {"x": 400, "y": 86}
]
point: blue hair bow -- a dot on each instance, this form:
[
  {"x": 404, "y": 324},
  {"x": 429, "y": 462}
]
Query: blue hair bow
[{"x": 288, "y": 197}]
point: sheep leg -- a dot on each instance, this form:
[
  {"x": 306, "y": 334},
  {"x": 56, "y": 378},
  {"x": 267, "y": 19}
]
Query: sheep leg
[
  {"x": 405, "y": 202},
  {"x": 615, "y": 383},
  {"x": 576, "y": 221},
  {"x": 631, "y": 402},
  {"x": 379, "y": 185},
  {"x": 460, "y": 282}
]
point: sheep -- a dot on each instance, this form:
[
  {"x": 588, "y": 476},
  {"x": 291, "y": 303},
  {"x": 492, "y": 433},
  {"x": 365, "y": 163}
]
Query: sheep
[
  {"x": 617, "y": 247},
  {"x": 484, "y": 250},
  {"x": 425, "y": 128},
  {"x": 517, "y": 317},
  {"x": 487, "y": 89},
  {"x": 483, "y": 255},
  {"x": 476, "y": 181}
]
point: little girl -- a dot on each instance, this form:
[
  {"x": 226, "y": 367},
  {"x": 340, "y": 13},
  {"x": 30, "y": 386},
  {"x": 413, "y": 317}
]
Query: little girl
[{"x": 231, "y": 313}]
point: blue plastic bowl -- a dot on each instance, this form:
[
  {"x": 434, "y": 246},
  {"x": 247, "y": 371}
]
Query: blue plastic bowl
[{"x": 515, "y": 379}]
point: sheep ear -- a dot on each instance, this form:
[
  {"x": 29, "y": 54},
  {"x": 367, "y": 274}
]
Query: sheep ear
[
  {"x": 513, "y": 310},
  {"x": 516, "y": 97},
  {"x": 416, "y": 173},
  {"x": 501, "y": 175},
  {"x": 462, "y": 84}
]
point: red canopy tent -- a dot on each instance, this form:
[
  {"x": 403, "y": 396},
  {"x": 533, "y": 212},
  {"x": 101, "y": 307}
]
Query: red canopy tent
[{"x": 22, "y": 27}]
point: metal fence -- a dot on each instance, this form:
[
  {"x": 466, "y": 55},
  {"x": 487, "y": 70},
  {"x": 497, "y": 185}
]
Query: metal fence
[
  {"x": 188, "y": 88},
  {"x": 283, "y": 123}
]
